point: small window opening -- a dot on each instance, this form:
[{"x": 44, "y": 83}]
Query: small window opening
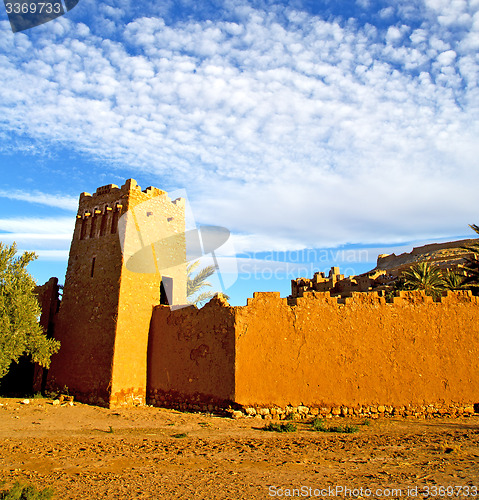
[
  {"x": 103, "y": 223},
  {"x": 114, "y": 222},
  {"x": 92, "y": 267},
  {"x": 93, "y": 226},
  {"x": 83, "y": 229}
]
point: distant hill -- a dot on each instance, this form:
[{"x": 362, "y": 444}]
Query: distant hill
[{"x": 444, "y": 255}]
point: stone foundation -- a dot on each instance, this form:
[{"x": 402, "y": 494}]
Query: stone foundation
[
  {"x": 452, "y": 410},
  {"x": 200, "y": 403}
]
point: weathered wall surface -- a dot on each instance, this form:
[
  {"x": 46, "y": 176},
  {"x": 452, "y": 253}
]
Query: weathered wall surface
[
  {"x": 191, "y": 355},
  {"x": 154, "y": 220},
  {"x": 105, "y": 313},
  {"x": 320, "y": 352}
]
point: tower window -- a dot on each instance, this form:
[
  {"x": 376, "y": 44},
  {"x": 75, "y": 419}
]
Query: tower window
[
  {"x": 114, "y": 222},
  {"x": 103, "y": 223},
  {"x": 93, "y": 226},
  {"x": 83, "y": 229},
  {"x": 92, "y": 267}
]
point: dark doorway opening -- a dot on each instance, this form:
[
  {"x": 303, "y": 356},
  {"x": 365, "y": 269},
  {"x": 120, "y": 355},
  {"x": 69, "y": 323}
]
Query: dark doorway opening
[{"x": 166, "y": 290}]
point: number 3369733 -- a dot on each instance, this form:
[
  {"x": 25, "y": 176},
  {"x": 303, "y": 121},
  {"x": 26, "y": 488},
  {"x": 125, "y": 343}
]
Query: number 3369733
[{"x": 33, "y": 8}]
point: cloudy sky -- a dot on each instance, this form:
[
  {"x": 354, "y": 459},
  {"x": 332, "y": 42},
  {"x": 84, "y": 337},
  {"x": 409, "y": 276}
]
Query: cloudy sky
[{"x": 318, "y": 132}]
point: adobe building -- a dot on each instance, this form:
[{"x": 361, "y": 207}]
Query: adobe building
[
  {"x": 311, "y": 353},
  {"x": 105, "y": 312}
]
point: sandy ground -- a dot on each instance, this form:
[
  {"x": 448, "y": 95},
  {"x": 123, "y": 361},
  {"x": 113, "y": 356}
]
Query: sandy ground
[{"x": 85, "y": 452}]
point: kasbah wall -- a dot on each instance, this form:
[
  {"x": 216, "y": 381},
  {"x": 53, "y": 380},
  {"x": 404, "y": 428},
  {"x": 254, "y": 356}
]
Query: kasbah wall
[{"x": 308, "y": 355}]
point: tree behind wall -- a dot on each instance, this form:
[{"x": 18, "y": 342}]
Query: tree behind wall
[
  {"x": 471, "y": 266},
  {"x": 195, "y": 284},
  {"x": 424, "y": 276},
  {"x": 20, "y": 333}
]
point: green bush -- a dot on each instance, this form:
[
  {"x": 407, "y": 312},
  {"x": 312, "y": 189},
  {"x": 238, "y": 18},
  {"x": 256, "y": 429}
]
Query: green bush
[
  {"x": 319, "y": 426},
  {"x": 26, "y": 492},
  {"x": 287, "y": 427}
]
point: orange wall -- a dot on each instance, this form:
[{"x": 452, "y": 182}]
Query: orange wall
[
  {"x": 156, "y": 217},
  {"x": 319, "y": 352},
  {"x": 191, "y": 353}
]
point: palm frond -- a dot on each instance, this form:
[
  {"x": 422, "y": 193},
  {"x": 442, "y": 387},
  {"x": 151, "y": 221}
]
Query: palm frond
[
  {"x": 472, "y": 247},
  {"x": 474, "y": 227},
  {"x": 201, "y": 298},
  {"x": 424, "y": 276},
  {"x": 453, "y": 279},
  {"x": 471, "y": 265},
  {"x": 195, "y": 283},
  {"x": 191, "y": 267}
]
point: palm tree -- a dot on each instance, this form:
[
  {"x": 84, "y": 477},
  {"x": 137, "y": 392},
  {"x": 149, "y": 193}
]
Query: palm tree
[
  {"x": 424, "y": 276},
  {"x": 194, "y": 284},
  {"x": 453, "y": 279},
  {"x": 471, "y": 266}
]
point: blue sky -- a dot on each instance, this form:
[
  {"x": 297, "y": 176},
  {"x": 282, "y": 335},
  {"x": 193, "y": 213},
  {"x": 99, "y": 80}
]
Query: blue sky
[{"x": 318, "y": 132}]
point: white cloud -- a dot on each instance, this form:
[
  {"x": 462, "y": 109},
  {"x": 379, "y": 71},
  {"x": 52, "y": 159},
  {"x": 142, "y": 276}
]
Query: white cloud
[
  {"x": 446, "y": 58},
  {"x": 386, "y": 12},
  {"x": 393, "y": 34},
  {"x": 316, "y": 133},
  {"x": 61, "y": 226},
  {"x": 48, "y": 237},
  {"x": 63, "y": 202},
  {"x": 52, "y": 255},
  {"x": 365, "y": 4}
]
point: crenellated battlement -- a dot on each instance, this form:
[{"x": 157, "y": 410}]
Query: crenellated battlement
[
  {"x": 312, "y": 299},
  {"x": 98, "y": 214},
  {"x": 104, "y": 194}
]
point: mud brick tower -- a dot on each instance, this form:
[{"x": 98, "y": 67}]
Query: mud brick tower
[{"x": 107, "y": 303}]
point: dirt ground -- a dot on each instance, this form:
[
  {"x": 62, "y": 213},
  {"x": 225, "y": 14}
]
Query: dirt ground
[{"x": 86, "y": 452}]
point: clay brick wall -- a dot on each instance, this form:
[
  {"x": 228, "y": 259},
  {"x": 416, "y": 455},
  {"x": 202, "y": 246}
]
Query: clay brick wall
[
  {"x": 306, "y": 351},
  {"x": 155, "y": 216},
  {"x": 321, "y": 352},
  {"x": 49, "y": 301},
  {"x": 191, "y": 356}
]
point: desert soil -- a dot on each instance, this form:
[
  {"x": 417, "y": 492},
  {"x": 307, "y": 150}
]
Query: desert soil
[{"x": 86, "y": 452}]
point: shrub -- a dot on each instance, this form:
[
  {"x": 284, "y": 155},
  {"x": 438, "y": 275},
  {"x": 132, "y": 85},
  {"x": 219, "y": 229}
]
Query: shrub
[
  {"x": 319, "y": 426},
  {"x": 286, "y": 427},
  {"x": 25, "y": 492}
]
